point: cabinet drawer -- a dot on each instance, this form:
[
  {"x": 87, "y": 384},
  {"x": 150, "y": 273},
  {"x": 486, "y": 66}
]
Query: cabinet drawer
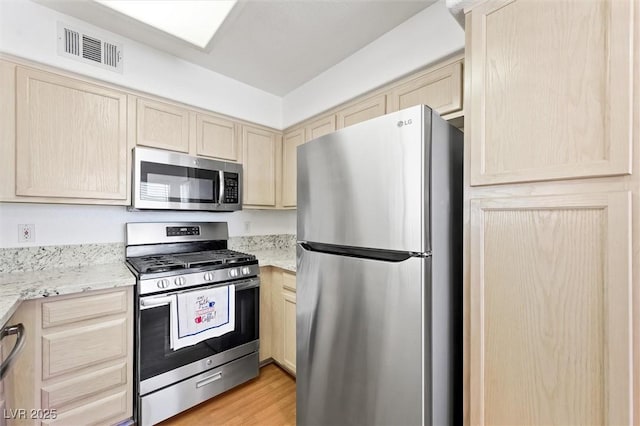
[
  {"x": 67, "y": 311},
  {"x": 87, "y": 385},
  {"x": 108, "y": 410},
  {"x": 289, "y": 281},
  {"x": 83, "y": 346}
]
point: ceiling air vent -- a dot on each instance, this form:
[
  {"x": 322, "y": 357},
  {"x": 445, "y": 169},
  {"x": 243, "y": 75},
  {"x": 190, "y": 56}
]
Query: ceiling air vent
[
  {"x": 89, "y": 48},
  {"x": 71, "y": 42}
]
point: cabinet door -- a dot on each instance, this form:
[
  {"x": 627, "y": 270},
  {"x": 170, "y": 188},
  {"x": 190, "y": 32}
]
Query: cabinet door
[
  {"x": 216, "y": 137},
  {"x": 290, "y": 142},
  {"x": 550, "y": 326},
  {"x": 266, "y": 314},
  {"x": 440, "y": 89},
  {"x": 551, "y": 90},
  {"x": 361, "y": 111},
  {"x": 289, "y": 330},
  {"x": 321, "y": 127},
  {"x": 71, "y": 138},
  {"x": 260, "y": 151},
  {"x": 162, "y": 125}
]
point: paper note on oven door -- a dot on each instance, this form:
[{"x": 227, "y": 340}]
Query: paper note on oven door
[{"x": 202, "y": 314}]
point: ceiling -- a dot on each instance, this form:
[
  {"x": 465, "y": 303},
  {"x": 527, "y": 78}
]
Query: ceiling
[{"x": 274, "y": 45}]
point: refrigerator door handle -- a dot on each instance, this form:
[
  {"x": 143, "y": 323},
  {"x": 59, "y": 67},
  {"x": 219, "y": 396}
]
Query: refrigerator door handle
[{"x": 360, "y": 252}]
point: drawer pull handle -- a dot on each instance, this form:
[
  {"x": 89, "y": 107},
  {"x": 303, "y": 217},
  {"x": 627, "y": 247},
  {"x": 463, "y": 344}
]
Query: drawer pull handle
[{"x": 209, "y": 380}]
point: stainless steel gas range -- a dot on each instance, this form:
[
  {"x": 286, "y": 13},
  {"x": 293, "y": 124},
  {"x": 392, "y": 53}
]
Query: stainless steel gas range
[{"x": 174, "y": 258}]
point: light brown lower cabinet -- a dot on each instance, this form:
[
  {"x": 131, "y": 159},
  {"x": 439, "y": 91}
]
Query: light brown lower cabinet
[
  {"x": 289, "y": 330},
  {"x": 550, "y": 310},
  {"x": 278, "y": 317},
  {"x": 77, "y": 363},
  {"x": 266, "y": 328}
]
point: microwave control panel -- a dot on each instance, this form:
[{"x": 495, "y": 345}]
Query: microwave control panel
[{"x": 231, "y": 188}]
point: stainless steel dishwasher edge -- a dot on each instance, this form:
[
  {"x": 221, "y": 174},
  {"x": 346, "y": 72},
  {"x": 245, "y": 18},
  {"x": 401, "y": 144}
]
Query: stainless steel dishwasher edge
[{"x": 5, "y": 366}]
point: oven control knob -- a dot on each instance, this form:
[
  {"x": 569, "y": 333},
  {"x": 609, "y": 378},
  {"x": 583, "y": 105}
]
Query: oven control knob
[
  {"x": 180, "y": 281},
  {"x": 164, "y": 283},
  {"x": 246, "y": 270},
  {"x": 233, "y": 272},
  {"x": 208, "y": 276}
]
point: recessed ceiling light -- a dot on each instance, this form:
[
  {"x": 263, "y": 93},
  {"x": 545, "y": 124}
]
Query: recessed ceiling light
[{"x": 195, "y": 21}]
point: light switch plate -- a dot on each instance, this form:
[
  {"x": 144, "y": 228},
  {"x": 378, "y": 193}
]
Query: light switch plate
[{"x": 26, "y": 233}]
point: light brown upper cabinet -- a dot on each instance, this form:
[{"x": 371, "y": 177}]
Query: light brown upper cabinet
[
  {"x": 361, "y": 111},
  {"x": 550, "y": 310},
  {"x": 551, "y": 89},
  {"x": 162, "y": 125},
  {"x": 320, "y": 127},
  {"x": 290, "y": 143},
  {"x": 441, "y": 89},
  {"x": 216, "y": 137},
  {"x": 71, "y": 138},
  {"x": 261, "y": 151}
]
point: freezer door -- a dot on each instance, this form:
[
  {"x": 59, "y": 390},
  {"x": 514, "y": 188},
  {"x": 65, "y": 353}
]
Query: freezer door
[
  {"x": 367, "y": 185},
  {"x": 362, "y": 343}
]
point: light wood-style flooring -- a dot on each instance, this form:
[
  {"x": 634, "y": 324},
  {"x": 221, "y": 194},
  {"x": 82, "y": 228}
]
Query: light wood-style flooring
[{"x": 268, "y": 400}]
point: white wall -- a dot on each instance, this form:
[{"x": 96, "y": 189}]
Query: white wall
[
  {"x": 29, "y": 30},
  {"x": 67, "y": 224},
  {"x": 425, "y": 38}
]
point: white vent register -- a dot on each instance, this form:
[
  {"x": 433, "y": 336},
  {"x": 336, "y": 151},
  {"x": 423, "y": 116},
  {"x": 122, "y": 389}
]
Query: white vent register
[{"x": 89, "y": 48}]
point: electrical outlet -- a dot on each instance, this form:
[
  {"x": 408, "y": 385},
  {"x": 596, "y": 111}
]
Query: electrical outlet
[
  {"x": 26, "y": 233},
  {"x": 247, "y": 226}
]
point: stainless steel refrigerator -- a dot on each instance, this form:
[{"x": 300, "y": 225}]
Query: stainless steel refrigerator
[{"x": 379, "y": 273}]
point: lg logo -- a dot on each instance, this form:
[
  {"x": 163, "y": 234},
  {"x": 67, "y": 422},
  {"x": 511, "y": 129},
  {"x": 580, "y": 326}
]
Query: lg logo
[{"x": 404, "y": 123}]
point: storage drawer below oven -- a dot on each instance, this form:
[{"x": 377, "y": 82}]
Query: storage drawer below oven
[{"x": 176, "y": 398}]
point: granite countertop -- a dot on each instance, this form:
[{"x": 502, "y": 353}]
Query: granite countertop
[
  {"x": 280, "y": 258},
  {"x": 18, "y": 286}
]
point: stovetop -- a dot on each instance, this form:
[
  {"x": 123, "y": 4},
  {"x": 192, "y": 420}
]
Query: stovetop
[{"x": 184, "y": 262}]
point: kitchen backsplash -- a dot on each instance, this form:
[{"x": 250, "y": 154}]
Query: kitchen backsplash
[
  {"x": 262, "y": 242},
  {"x": 23, "y": 259}
]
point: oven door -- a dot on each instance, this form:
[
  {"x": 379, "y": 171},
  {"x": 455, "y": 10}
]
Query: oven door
[
  {"x": 160, "y": 366},
  {"x": 173, "y": 181}
]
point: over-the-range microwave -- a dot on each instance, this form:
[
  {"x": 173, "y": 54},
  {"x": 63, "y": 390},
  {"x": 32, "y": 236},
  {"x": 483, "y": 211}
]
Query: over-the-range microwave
[{"x": 166, "y": 180}]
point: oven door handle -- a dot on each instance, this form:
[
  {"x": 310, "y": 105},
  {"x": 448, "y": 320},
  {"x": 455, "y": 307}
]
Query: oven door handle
[
  {"x": 152, "y": 302},
  {"x": 252, "y": 283}
]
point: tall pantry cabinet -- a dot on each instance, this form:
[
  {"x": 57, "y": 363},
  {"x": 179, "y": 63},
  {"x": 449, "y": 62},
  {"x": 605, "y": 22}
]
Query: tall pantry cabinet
[{"x": 552, "y": 186}]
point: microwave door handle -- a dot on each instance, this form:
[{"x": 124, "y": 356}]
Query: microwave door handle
[{"x": 221, "y": 187}]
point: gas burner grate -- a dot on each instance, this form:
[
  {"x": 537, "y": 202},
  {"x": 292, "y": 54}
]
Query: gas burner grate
[
  {"x": 200, "y": 259},
  {"x": 153, "y": 264}
]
